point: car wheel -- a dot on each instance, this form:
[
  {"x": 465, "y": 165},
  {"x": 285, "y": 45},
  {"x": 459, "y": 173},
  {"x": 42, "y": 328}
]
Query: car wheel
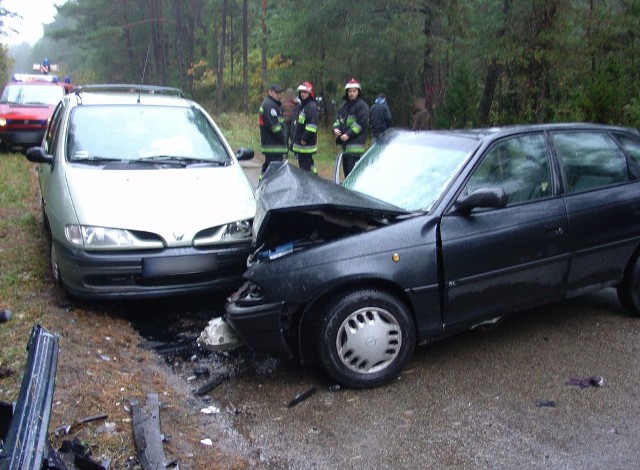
[
  {"x": 629, "y": 290},
  {"x": 366, "y": 337},
  {"x": 55, "y": 269}
]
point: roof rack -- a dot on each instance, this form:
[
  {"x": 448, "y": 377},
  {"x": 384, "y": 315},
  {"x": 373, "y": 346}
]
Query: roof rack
[{"x": 130, "y": 88}]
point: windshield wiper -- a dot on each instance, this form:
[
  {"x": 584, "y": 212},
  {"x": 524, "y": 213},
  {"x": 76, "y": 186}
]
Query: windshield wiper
[
  {"x": 180, "y": 161},
  {"x": 96, "y": 159}
]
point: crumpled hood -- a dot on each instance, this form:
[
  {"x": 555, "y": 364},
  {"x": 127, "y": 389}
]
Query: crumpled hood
[
  {"x": 286, "y": 188},
  {"x": 161, "y": 201}
]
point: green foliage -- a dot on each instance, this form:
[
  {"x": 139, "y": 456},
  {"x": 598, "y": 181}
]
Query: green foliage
[{"x": 555, "y": 60}]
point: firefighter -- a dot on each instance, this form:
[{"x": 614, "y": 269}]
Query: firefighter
[
  {"x": 273, "y": 138},
  {"x": 350, "y": 126},
  {"x": 305, "y": 128}
]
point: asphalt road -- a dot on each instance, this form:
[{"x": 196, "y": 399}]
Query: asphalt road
[
  {"x": 494, "y": 399},
  {"x": 479, "y": 400}
]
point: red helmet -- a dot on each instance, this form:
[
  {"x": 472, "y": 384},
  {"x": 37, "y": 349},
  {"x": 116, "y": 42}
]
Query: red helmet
[
  {"x": 306, "y": 86},
  {"x": 353, "y": 83}
]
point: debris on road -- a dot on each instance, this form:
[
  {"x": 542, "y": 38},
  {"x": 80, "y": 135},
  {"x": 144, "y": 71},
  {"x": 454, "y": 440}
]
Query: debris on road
[
  {"x": 217, "y": 380},
  {"x": 146, "y": 433},
  {"x": 211, "y": 409},
  {"x": 302, "y": 396},
  {"x": 5, "y": 315},
  {"x": 218, "y": 336},
  {"x": 543, "y": 403},
  {"x": 594, "y": 381}
]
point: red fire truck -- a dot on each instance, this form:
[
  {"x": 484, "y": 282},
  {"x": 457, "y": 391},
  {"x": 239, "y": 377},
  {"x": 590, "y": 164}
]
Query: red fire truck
[{"x": 26, "y": 105}]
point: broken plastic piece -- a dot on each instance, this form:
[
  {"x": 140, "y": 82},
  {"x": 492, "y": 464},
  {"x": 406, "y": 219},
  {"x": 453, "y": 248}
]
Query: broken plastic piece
[
  {"x": 594, "y": 381},
  {"x": 542, "y": 403},
  {"x": 218, "y": 336},
  {"x": 146, "y": 433},
  {"x": 302, "y": 396},
  {"x": 212, "y": 384}
]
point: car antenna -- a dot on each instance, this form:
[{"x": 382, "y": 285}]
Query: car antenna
[{"x": 144, "y": 69}]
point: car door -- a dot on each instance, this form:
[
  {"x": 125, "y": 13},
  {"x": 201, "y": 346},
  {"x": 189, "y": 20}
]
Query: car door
[
  {"x": 497, "y": 260},
  {"x": 602, "y": 198}
]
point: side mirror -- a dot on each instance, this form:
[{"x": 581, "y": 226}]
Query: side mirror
[
  {"x": 38, "y": 155},
  {"x": 489, "y": 197},
  {"x": 244, "y": 153}
]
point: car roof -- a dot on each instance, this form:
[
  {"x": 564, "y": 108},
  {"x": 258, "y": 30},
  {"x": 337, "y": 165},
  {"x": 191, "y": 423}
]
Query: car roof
[
  {"x": 497, "y": 132},
  {"x": 123, "y": 94}
]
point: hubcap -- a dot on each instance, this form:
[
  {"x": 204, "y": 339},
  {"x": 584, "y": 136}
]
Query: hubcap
[{"x": 368, "y": 340}]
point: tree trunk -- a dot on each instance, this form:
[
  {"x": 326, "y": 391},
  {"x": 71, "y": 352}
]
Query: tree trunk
[
  {"x": 493, "y": 74},
  {"x": 263, "y": 62},
  {"x": 221, "y": 56},
  {"x": 177, "y": 11},
  {"x": 245, "y": 55},
  {"x": 431, "y": 83}
]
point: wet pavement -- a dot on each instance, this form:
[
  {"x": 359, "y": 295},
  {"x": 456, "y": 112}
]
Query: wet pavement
[{"x": 493, "y": 399}]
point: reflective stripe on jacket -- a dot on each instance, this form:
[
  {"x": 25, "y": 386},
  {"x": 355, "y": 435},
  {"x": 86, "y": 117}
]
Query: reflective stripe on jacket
[{"x": 305, "y": 126}]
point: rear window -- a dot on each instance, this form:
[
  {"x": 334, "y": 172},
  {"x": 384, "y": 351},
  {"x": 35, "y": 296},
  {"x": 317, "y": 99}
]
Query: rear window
[
  {"x": 590, "y": 160},
  {"x": 137, "y": 132}
]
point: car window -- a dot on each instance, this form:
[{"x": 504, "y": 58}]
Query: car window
[
  {"x": 32, "y": 94},
  {"x": 589, "y": 160},
  {"x": 52, "y": 131},
  {"x": 519, "y": 165},
  {"x": 632, "y": 147},
  {"x": 142, "y": 132}
]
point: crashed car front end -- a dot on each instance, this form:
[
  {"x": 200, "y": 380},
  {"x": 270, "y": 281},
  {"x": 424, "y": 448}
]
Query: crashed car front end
[{"x": 314, "y": 220}]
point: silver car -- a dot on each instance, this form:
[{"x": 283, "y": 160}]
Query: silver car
[{"x": 141, "y": 195}]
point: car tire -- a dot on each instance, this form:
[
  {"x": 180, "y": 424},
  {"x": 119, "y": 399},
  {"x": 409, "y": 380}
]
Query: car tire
[
  {"x": 365, "y": 338},
  {"x": 629, "y": 290},
  {"x": 53, "y": 257}
]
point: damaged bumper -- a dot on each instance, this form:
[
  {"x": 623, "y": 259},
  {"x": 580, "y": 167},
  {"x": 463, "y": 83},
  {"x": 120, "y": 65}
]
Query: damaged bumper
[{"x": 248, "y": 321}]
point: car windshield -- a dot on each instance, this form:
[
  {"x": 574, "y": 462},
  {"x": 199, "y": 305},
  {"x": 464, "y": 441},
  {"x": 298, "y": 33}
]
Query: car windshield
[
  {"x": 162, "y": 134},
  {"x": 410, "y": 170},
  {"x": 32, "y": 94}
]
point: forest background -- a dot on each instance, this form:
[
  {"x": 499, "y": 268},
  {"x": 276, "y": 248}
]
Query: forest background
[{"x": 475, "y": 62}]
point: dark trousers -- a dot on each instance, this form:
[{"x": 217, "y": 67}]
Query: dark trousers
[
  {"x": 349, "y": 160},
  {"x": 271, "y": 157},
  {"x": 305, "y": 161}
]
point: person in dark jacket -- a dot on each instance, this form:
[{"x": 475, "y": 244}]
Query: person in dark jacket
[
  {"x": 305, "y": 128},
  {"x": 379, "y": 117},
  {"x": 350, "y": 126},
  {"x": 273, "y": 138}
]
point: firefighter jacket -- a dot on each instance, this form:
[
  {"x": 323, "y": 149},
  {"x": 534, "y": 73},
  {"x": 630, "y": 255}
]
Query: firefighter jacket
[
  {"x": 305, "y": 126},
  {"x": 273, "y": 139},
  {"x": 351, "y": 119}
]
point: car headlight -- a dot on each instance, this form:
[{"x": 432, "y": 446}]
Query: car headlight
[
  {"x": 237, "y": 231},
  {"x": 87, "y": 235},
  {"x": 3, "y": 122}
]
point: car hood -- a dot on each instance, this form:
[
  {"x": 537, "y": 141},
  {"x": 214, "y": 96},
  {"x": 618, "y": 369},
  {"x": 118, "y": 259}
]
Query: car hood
[
  {"x": 161, "y": 201},
  {"x": 290, "y": 202}
]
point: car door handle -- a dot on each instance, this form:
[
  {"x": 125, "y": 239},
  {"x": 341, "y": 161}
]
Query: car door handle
[{"x": 554, "y": 229}]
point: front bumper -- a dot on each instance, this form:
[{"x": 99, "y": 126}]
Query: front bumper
[
  {"x": 261, "y": 326},
  {"x": 128, "y": 274},
  {"x": 27, "y": 138}
]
